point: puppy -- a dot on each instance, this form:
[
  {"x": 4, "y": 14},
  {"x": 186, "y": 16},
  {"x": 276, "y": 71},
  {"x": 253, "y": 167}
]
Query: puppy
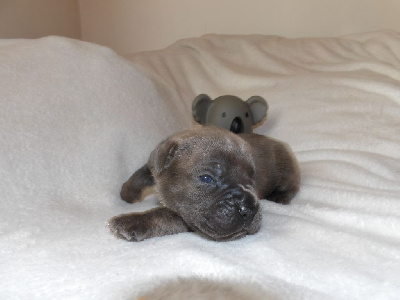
[{"x": 209, "y": 180}]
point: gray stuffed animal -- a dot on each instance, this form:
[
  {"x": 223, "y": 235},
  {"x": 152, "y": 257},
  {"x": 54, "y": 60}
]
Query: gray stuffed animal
[{"x": 229, "y": 112}]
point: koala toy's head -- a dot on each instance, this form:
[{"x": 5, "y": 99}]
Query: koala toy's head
[{"x": 229, "y": 112}]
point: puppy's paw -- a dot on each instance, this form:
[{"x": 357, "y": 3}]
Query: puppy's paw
[
  {"x": 129, "y": 194},
  {"x": 131, "y": 227}
]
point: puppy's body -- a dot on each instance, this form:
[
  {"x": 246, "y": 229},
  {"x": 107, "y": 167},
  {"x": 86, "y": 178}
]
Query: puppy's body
[
  {"x": 209, "y": 180},
  {"x": 277, "y": 172}
]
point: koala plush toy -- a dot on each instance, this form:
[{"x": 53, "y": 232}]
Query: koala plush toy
[{"x": 230, "y": 112}]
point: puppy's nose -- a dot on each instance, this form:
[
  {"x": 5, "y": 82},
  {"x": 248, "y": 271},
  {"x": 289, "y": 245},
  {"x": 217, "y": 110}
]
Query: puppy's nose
[
  {"x": 246, "y": 207},
  {"x": 245, "y": 212}
]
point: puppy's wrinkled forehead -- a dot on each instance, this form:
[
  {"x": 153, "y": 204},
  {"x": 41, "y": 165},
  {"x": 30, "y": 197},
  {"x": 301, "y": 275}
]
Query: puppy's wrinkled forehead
[{"x": 212, "y": 141}]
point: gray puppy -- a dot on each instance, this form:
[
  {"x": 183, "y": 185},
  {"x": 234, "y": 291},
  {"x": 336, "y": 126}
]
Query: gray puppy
[{"x": 209, "y": 180}]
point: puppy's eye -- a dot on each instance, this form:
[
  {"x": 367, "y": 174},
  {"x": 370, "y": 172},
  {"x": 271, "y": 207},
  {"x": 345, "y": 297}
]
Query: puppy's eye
[
  {"x": 206, "y": 179},
  {"x": 247, "y": 115}
]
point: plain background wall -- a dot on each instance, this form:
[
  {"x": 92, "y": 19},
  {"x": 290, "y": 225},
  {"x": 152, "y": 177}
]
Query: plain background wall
[
  {"x": 135, "y": 25},
  {"x": 130, "y": 26},
  {"x": 37, "y": 18}
]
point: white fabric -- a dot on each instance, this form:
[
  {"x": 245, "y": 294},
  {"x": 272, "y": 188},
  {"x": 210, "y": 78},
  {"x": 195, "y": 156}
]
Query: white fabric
[{"x": 77, "y": 120}]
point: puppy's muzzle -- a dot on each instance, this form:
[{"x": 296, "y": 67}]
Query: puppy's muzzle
[
  {"x": 232, "y": 215},
  {"x": 243, "y": 203}
]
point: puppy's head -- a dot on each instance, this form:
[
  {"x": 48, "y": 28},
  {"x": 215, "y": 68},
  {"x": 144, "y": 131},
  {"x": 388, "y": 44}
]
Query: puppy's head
[{"x": 207, "y": 176}]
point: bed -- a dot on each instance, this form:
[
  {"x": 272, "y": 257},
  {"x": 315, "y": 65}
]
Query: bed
[{"x": 77, "y": 120}]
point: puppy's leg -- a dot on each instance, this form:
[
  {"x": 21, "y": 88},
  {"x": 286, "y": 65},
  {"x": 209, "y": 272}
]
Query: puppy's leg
[
  {"x": 139, "y": 226},
  {"x": 288, "y": 185},
  {"x": 283, "y": 194},
  {"x": 131, "y": 191}
]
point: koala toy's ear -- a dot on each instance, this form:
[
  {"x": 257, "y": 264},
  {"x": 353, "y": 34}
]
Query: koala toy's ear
[
  {"x": 200, "y": 107},
  {"x": 258, "y": 107},
  {"x": 162, "y": 157}
]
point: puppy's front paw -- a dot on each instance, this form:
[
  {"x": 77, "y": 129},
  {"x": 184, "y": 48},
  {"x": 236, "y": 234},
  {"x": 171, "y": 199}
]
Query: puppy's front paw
[
  {"x": 129, "y": 194},
  {"x": 131, "y": 227}
]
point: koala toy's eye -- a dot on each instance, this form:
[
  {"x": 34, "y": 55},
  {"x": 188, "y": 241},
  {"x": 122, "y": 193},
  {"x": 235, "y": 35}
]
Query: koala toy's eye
[
  {"x": 224, "y": 114},
  {"x": 247, "y": 115},
  {"x": 206, "y": 179}
]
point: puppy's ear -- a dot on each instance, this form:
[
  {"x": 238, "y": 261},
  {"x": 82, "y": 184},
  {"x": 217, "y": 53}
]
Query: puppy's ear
[{"x": 162, "y": 157}]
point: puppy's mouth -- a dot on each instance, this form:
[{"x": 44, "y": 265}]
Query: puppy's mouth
[{"x": 215, "y": 233}]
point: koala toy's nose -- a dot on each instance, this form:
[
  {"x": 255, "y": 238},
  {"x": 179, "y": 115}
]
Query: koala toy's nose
[{"x": 237, "y": 125}]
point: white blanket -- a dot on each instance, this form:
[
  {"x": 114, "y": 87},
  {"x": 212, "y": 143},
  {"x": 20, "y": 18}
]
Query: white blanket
[{"x": 77, "y": 120}]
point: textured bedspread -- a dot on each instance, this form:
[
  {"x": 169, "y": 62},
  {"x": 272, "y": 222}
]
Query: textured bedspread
[{"x": 76, "y": 120}]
